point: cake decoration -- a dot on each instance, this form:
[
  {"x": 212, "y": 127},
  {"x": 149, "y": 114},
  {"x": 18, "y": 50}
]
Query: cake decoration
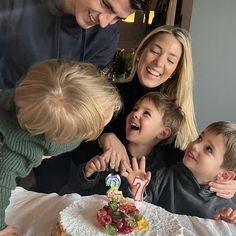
[
  {"x": 141, "y": 185},
  {"x": 120, "y": 215}
]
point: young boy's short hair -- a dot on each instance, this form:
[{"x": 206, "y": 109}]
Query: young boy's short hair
[
  {"x": 64, "y": 100},
  {"x": 228, "y": 130},
  {"x": 173, "y": 116}
]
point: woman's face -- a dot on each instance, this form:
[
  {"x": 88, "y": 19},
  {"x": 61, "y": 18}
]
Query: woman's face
[{"x": 158, "y": 61}]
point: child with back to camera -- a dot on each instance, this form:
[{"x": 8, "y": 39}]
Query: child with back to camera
[
  {"x": 155, "y": 118},
  {"x": 53, "y": 108},
  {"x": 183, "y": 188}
]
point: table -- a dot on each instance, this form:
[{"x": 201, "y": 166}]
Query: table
[{"x": 35, "y": 214}]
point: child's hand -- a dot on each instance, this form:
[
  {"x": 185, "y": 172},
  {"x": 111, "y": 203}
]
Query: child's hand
[
  {"x": 10, "y": 231},
  {"x": 97, "y": 163},
  {"x": 224, "y": 189},
  {"x": 226, "y": 214},
  {"x": 134, "y": 171}
]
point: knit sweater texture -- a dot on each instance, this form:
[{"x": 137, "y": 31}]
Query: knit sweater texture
[{"x": 19, "y": 150}]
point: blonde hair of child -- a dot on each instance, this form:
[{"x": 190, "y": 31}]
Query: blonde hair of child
[
  {"x": 65, "y": 100},
  {"x": 172, "y": 115},
  {"x": 180, "y": 86},
  {"x": 228, "y": 130}
]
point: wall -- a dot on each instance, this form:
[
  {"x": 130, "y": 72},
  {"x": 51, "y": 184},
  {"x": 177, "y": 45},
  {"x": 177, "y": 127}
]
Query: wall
[{"x": 213, "y": 32}]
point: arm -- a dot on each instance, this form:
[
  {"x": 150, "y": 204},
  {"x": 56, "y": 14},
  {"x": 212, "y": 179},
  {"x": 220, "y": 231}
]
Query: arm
[
  {"x": 226, "y": 214},
  {"x": 118, "y": 154}
]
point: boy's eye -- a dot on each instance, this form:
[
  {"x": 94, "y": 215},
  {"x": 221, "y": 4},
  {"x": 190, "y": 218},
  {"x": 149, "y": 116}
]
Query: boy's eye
[
  {"x": 209, "y": 149},
  {"x": 199, "y": 139},
  {"x": 135, "y": 109},
  {"x": 147, "y": 113}
]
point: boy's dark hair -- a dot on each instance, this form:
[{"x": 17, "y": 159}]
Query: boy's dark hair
[
  {"x": 140, "y": 5},
  {"x": 228, "y": 130},
  {"x": 173, "y": 115}
]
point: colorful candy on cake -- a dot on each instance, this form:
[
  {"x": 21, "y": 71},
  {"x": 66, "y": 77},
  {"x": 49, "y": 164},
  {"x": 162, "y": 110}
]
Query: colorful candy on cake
[{"x": 119, "y": 215}]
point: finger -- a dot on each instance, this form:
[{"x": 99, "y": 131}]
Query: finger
[
  {"x": 135, "y": 164},
  {"x": 117, "y": 163},
  {"x": 216, "y": 216},
  {"x": 112, "y": 160},
  {"x": 223, "y": 195},
  {"x": 103, "y": 164},
  {"x": 127, "y": 166},
  {"x": 142, "y": 163}
]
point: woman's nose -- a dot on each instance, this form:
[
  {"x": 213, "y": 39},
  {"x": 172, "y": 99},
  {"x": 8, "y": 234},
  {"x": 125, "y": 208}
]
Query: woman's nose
[{"x": 160, "y": 61}]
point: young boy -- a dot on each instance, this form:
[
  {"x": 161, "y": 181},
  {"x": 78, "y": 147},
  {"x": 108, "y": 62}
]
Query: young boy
[
  {"x": 155, "y": 118},
  {"x": 57, "y": 105},
  {"x": 183, "y": 188}
]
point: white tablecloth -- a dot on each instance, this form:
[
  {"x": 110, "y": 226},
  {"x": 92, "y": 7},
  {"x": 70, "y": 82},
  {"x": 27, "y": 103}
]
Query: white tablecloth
[{"x": 35, "y": 214}]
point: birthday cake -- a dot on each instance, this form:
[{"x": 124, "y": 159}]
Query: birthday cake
[{"x": 80, "y": 218}]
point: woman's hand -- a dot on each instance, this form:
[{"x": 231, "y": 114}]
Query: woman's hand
[
  {"x": 118, "y": 153},
  {"x": 226, "y": 214},
  {"x": 224, "y": 189},
  {"x": 10, "y": 231}
]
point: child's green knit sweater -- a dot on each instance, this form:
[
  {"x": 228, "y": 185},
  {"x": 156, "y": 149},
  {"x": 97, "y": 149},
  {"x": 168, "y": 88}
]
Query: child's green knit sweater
[{"x": 19, "y": 150}]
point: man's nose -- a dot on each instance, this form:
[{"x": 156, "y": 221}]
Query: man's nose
[{"x": 106, "y": 19}]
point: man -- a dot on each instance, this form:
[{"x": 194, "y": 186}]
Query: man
[{"x": 34, "y": 30}]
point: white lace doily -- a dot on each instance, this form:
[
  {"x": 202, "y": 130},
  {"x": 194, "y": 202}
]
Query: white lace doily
[{"x": 80, "y": 218}]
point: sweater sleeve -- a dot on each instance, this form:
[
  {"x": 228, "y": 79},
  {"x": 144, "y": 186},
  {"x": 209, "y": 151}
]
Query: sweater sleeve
[{"x": 13, "y": 164}]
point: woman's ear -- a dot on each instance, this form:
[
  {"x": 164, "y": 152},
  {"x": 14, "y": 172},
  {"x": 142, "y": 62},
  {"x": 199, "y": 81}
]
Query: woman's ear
[
  {"x": 164, "y": 134},
  {"x": 226, "y": 175}
]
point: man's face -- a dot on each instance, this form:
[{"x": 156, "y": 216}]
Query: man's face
[
  {"x": 103, "y": 12},
  {"x": 204, "y": 156}
]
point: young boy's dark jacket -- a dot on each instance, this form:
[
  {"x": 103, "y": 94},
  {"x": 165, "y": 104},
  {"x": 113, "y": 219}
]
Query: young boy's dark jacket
[
  {"x": 176, "y": 190},
  {"x": 96, "y": 183}
]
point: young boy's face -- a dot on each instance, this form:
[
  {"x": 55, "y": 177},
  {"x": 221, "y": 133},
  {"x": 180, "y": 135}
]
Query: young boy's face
[
  {"x": 144, "y": 123},
  {"x": 205, "y": 156}
]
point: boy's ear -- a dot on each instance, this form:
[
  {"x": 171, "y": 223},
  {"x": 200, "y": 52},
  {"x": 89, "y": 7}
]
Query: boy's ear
[
  {"x": 226, "y": 175},
  {"x": 164, "y": 134}
]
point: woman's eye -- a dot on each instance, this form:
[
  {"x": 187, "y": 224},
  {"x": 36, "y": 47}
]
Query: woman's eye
[{"x": 171, "y": 61}]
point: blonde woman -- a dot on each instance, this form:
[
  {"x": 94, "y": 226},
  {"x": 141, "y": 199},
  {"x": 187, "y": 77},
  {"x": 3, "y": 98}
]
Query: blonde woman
[
  {"x": 57, "y": 105},
  {"x": 162, "y": 62}
]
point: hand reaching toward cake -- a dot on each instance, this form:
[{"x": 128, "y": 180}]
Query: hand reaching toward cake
[
  {"x": 137, "y": 172},
  {"x": 98, "y": 163}
]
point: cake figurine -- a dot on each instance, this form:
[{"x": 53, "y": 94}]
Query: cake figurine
[{"x": 120, "y": 215}]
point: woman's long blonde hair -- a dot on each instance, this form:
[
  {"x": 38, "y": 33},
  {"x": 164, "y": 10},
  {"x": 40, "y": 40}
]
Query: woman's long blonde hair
[
  {"x": 65, "y": 100},
  {"x": 180, "y": 86}
]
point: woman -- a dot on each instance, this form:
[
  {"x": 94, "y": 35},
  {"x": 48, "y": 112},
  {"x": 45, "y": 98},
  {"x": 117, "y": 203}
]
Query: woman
[{"x": 162, "y": 62}]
